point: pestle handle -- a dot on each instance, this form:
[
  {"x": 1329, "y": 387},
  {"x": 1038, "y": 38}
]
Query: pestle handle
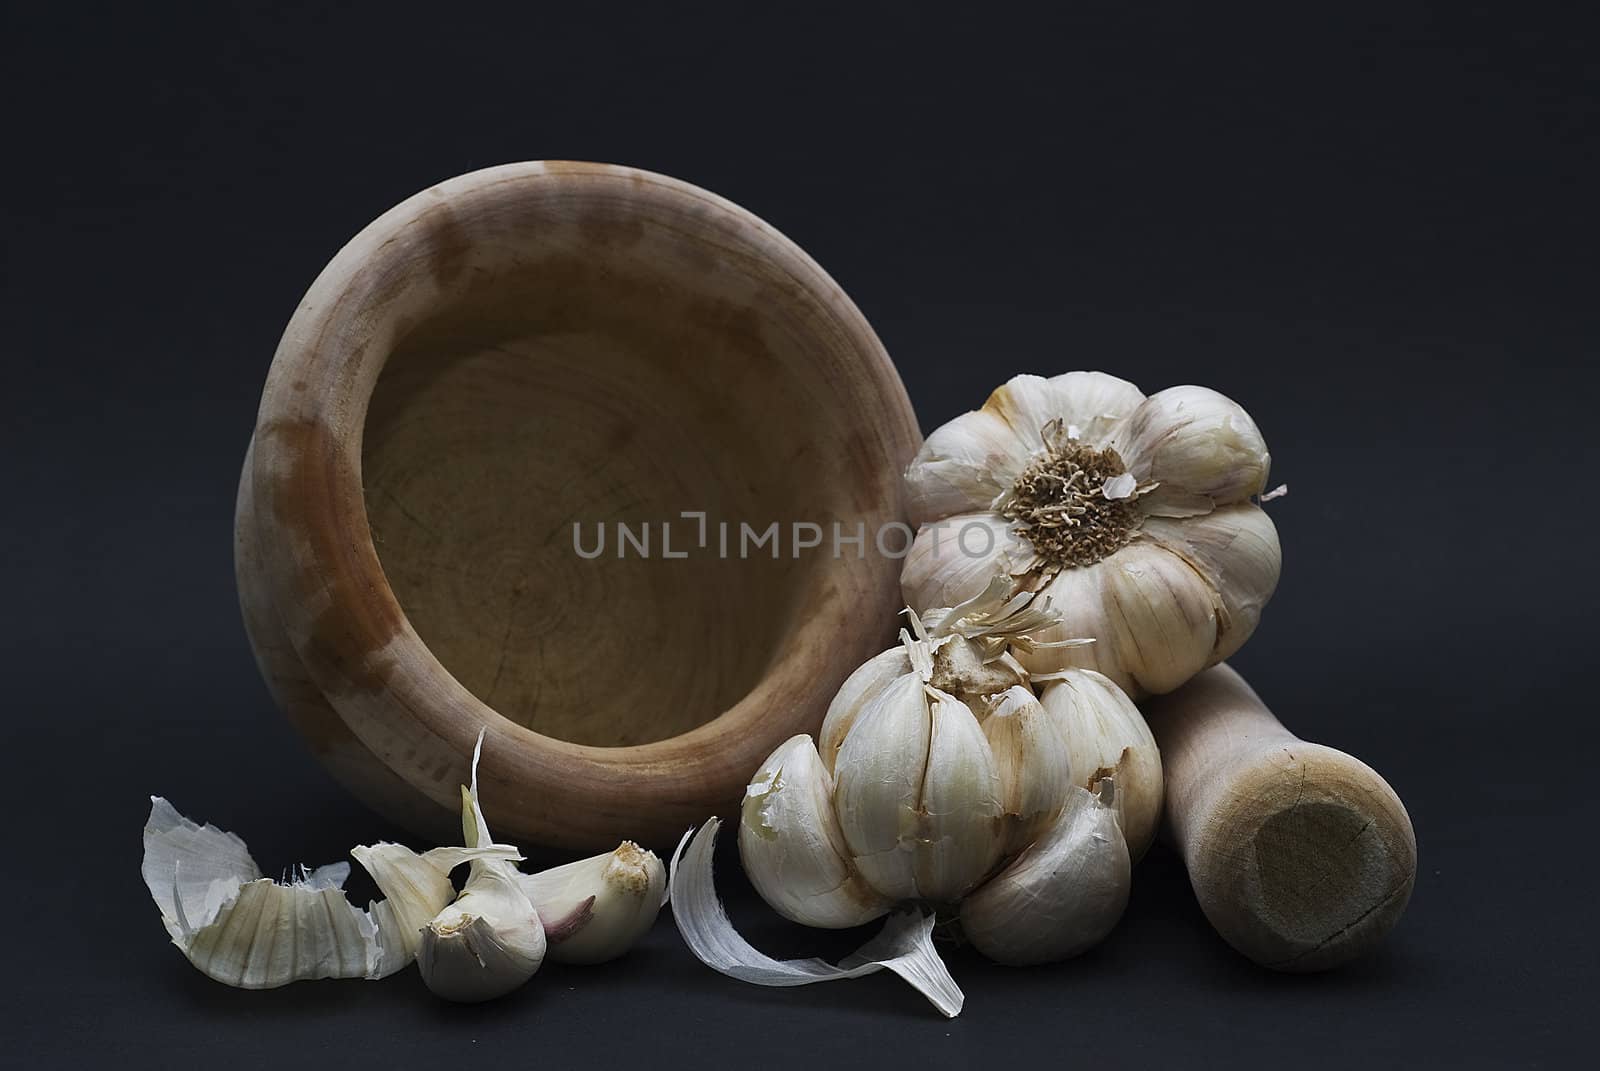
[{"x": 1301, "y": 856}]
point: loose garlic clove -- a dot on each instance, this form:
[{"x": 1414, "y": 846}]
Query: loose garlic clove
[
  {"x": 1032, "y": 757},
  {"x": 1062, "y": 895},
  {"x": 859, "y": 689},
  {"x": 1201, "y": 447},
  {"x": 490, "y": 941},
  {"x": 793, "y": 850},
  {"x": 414, "y": 890},
  {"x": 595, "y": 909},
  {"x": 1105, "y": 731}
]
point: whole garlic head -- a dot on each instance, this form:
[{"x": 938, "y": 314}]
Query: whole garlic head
[
  {"x": 1132, "y": 513},
  {"x": 927, "y": 798}
]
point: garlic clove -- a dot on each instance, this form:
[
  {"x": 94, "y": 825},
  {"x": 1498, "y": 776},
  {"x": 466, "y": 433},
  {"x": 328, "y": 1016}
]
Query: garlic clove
[
  {"x": 1236, "y": 550},
  {"x": 962, "y": 466},
  {"x": 1105, "y": 731},
  {"x": 878, "y": 780},
  {"x": 469, "y": 958},
  {"x": 490, "y": 940},
  {"x": 954, "y": 560},
  {"x": 1080, "y": 597},
  {"x": 1032, "y": 757},
  {"x": 1162, "y": 617},
  {"x": 859, "y": 689},
  {"x": 959, "y": 836},
  {"x": 1201, "y": 447},
  {"x": 595, "y": 909},
  {"x": 1087, "y": 405},
  {"x": 1062, "y": 895},
  {"x": 793, "y": 850},
  {"x": 415, "y": 889}
]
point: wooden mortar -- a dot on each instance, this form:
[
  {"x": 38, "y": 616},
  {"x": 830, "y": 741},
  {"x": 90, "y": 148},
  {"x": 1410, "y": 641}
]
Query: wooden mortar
[
  {"x": 508, "y": 354},
  {"x": 1302, "y": 857}
]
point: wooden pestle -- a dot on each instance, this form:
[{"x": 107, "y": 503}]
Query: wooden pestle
[{"x": 1302, "y": 857}]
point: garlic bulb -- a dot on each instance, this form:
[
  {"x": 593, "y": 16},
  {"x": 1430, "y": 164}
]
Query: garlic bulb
[
  {"x": 1105, "y": 733},
  {"x": 1063, "y": 894},
  {"x": 490, "y": 940},
  {"x": 1133, "y": 514},
  {"x": 594, "y": 910},
  {"x": 249, "y": 931},
  {"x": 925, "y": 802}
]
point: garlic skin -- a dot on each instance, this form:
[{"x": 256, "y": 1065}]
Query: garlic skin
[
  {"x": 1062, "y": 895},
  {"x": 1133, "y": 514},
  {"x": 595, "y": 909},
  {"x": 251, "y": 932},
  {"x": 792, "y": 847},
  {"x": 1105, "y": 733},
  {"x": 490, "y": 940}
]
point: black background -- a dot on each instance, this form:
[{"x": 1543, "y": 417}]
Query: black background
[{"x": 1375, "y": 229}]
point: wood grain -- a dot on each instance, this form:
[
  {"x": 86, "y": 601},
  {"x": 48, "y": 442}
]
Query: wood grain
[
  {"x": 502, "y": 356},
  {"x": 1302, "y": 856}
]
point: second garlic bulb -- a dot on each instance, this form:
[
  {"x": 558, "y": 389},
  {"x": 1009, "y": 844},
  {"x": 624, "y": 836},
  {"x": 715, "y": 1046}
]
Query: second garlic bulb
[{"x": 922, "y": 796}]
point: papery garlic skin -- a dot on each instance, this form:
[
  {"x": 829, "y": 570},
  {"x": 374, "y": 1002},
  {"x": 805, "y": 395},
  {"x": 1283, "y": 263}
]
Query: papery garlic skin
[
  {"x": 1105, "y": 733},
  {"x": 595, "y": 909},
  {"x": 1163, "y": 602},
  {"x": 905, "y": 945},
  {"x": 255, "y": 933},
  {"x": 792, "y": 847},
  {"x": 1062, "y": 895}
]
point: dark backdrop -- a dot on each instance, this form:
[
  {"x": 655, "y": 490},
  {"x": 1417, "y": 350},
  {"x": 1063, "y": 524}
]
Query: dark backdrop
[{"x": 1375, "y": 230}]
